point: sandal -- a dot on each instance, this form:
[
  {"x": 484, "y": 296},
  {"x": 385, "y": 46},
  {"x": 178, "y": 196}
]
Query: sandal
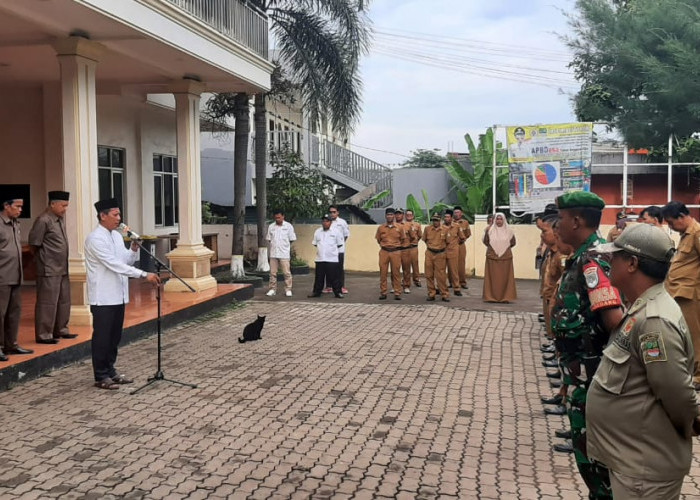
[
  {"x": 107, "y": 383},
  {"x": 121, "y": 379}
]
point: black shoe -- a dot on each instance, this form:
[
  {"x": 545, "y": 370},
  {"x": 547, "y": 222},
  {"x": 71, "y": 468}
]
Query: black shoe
[
  {"x": 445, "y": 299},
  {"x": 458, "y": 293},
  {"x": 67, "y": 336},
  {"x": 555, "y": 374},
  {"x": 563, "y": 447},
  {"x": 18, "y": 350},
  {"x": 339, "y": 296},
  {"x": 557, "y": 410},
  {"x": 549, "y": 349},
  {"x": 3, "y": 357},
  {"x": 546, "y": 345},
  {"x": 563, "y": 433},
  {"x": 548, "y": 357},
  {"x": 554, "y": 400},
  {"x": 382, "y": 297},
  {"x": 397, "y": 297},
  {"x": 540, "y": 318},
  {"x": 550, "y": 364},
  {"x": 417, "y": 283},
  {"x": 47, "y": 341},
  {"x": 312, "y": 295},
  {"x": 430, "y": 299},
  {"x": 555, "y": 384}
]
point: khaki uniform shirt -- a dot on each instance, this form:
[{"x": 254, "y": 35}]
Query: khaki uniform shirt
[
  {"x": 466, "y": 229},
  {"x": 556, "y": 260},
  {"x": 435, "y": 238},
  {"x": 455, "y": 237},
  {"x": 48, "y": 234},
  {"x": 683, "y": 279},
  {"x": 641, "y": 403},
  {"x": 391, "y": 236},
  {"x": 10, "y": 252},
  {"x": 414, "y": 232}
]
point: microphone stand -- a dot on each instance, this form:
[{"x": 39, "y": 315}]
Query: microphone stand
[{"x": 160, "y": 375}]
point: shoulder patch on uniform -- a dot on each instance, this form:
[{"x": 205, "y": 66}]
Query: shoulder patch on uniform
[
  {"x": 652, "y": 347},
  {"x": 591, "y": 276},
  {"x": 627, "y": 326}
]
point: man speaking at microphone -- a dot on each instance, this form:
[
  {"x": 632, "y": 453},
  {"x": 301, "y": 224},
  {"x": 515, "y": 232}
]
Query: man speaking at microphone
[{"x": 109, "y": 265}]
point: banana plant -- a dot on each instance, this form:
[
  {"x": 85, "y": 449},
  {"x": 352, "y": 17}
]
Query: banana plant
[{"x": 423, "y": 213}]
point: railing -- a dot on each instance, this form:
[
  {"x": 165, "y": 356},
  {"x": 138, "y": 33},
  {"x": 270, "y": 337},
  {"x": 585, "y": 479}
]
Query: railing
[{"x": 235, "y": 19}]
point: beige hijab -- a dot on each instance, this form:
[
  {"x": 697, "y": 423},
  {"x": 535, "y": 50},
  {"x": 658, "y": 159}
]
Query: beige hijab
[{"x": 499, "y": 237}]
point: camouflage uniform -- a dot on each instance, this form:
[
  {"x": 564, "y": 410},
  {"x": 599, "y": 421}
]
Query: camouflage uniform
[{"x": 580, "y": 338}]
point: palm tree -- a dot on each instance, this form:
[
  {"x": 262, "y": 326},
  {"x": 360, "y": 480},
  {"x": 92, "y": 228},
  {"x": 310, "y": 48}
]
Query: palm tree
[{"x": 319, "y": 44}]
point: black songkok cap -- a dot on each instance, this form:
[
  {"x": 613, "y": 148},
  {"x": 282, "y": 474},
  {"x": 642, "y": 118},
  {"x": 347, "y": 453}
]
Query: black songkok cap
[
  {"x": 59, "y": 196},
  {"x": 8, "y": 194},
  {"x": 109, "y": 204},
  {"x": 389, "y": 211},
  {"x": 448, "y": 212}
]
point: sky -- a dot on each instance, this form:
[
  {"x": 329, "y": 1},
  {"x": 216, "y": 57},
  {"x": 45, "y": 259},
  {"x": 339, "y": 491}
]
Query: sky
[{"x": 439, "y": 69}]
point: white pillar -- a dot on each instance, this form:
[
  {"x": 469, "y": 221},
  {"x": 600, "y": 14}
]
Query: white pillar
[
  {"x": 78, "y": 58},
  {"x": 191, "y": 260}
]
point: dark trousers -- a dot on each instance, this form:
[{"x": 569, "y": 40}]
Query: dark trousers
[
  {"x": 52, "y": 310},
  {"x": 10, "y": 310},
  {"x": 107, "y": 323},
  {"x": 341, "y": 272},
  {"x": 328, "y": 272}
]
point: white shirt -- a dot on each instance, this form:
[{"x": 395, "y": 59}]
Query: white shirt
[
  {"x": 342, "y": 227},
  {"x": 327, "y": 243},
  {"x": 109, "y": 265},
  {"x": 280, "y": 238}
]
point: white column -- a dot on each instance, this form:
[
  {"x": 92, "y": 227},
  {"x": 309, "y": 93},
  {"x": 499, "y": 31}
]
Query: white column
[
  {"x": 78, "y": 58},
  {"x": 191, "y": 259}
]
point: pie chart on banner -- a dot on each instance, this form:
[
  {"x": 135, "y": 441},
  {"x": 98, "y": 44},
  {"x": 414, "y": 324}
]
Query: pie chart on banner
[{"x": 546, "y": 175}]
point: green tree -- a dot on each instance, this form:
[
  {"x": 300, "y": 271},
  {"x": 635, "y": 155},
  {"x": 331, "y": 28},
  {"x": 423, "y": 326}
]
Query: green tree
[
  {"x": 425, "y": 158},
  {"x": 299, "y": 190},
  {"x": 639, "y": 67},
  {"x": 320, "y": 43}
]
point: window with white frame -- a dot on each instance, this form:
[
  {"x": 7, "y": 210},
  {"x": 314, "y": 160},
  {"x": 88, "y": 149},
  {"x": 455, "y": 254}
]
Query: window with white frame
[
  {"x": 165, "y": 192},
  {"x": 110, "y": 174}
]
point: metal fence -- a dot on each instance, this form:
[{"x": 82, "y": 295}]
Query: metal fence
[{"x": 236, "y": 19}]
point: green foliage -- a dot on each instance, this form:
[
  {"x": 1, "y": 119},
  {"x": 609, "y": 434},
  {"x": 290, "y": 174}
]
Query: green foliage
[
  {"x": 684, "y": 150},
  {"x": 208, "y": 217},
  {"x": 296, "y": 188},
  {"x": 474, "y": 189},
  {"x": 639, "y": 67},
  {"x": 374, "y": 199},
  {"x": 425, "y": 158},
  {"x": 423, "y": 213}
]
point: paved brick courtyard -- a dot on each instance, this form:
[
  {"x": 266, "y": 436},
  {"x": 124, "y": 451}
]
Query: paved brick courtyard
[{"x": 339, "y": 400}]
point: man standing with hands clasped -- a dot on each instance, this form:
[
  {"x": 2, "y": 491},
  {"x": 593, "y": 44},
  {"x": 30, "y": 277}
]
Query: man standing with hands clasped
[
  {"x": 49, "y": 245},
  {"x": 109, "y": 266},
  {"x": 280, "y": 234},
  {"x": 641, "y": 411}
]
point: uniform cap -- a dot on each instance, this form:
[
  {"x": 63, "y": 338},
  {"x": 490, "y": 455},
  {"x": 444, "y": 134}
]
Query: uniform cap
[
  {"x": 621, "y": 215},
  {"x": 325, "y": 217},
  {"x": 59, "y": 196},
  {"x": 550, "y": 213},
  {"x": 580, "y": 199},
  {"x": 389, "y": 211},
  {"x": 398, "y": 211},
  {"x": 435, "y": 217},
  {"x": 108, "y": 204},
  {"x": 642, "y": 240}
]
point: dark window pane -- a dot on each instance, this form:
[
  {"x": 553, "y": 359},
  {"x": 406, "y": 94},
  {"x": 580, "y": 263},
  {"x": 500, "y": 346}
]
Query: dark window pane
[
  {"x": 117, "y": 190},
  {"x": 102, "y": 156},
  {"x": 157, "y": 163},
  {"x": 175, "y": 164},
  {"x": 117, "y": 158},
  {"x": 104, "y": 183},
  {"x": 167, "y": 164},
  {"x": 158, "y": 197},
  {"x": 177, "y": 201},
  {"x": 168, "y": 201}
]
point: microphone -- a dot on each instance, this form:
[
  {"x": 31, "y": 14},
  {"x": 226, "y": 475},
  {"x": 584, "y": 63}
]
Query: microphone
[{"x": 132, "y": 234}]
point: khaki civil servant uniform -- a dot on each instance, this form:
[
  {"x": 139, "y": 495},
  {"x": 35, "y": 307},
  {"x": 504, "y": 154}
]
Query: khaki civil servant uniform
[
  {"x": 683, "y": 284},
  {"x": 436, "y": 242},
  {"x": 409, "y": 256},
  {"x": 641, "y": 403},
  {"x": 10, "y": 281},
  {"x": 391, "y": 239},
  {"x": 462, "y": 256},
  {"x": 455, "y": 236},
  {"x": 554, "y": 263},
  {"x": 52, "y": 310}
]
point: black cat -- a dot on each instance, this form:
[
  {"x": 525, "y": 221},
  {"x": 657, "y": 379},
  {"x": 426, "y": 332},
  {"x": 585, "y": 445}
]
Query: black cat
[{"x": 252, "y": 330}]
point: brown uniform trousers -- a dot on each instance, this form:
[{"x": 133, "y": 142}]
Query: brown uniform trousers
[
  {"x": 462, "y": 257},
  {"x": 52, "y": 310},
  {"x": 683, "y": 284},
  {"x": 10, "y": 281},
  {"x": 391, "y": 239},
  {"x": 409, "y": 256},
  {"x": 454, "y": 237},
  {"x": 435, "y": 240}
]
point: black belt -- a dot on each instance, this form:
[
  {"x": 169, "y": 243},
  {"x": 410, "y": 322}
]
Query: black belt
[
  {"x": 391, "y": 249},
  {"x": 436, "y": 251},
  {"x": 414, "y": 246}
]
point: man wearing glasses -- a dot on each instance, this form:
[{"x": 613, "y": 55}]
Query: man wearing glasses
[{"x": 339, "y": 224}]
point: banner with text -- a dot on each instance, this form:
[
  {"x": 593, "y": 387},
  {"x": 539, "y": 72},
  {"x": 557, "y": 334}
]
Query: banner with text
[{"x": 546, "y": 161}]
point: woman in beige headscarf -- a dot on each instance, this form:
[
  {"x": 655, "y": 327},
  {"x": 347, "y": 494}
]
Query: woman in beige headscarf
[{"x": 499, "y": 277}]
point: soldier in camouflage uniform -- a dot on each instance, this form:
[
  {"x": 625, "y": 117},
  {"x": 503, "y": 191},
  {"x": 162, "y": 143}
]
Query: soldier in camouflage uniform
[{"x": 586, "y": 309}]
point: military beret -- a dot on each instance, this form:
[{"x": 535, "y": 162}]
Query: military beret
[
  {"x": 108, "y": 204},
  {"x": 580, "y": 199},
  {"x": 59, "y": 196},
  {"x": 642, "y": 240},
  {"x": 389, "y": 211}
]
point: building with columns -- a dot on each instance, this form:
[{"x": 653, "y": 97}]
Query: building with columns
[{"x": 101, "y": 98}]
